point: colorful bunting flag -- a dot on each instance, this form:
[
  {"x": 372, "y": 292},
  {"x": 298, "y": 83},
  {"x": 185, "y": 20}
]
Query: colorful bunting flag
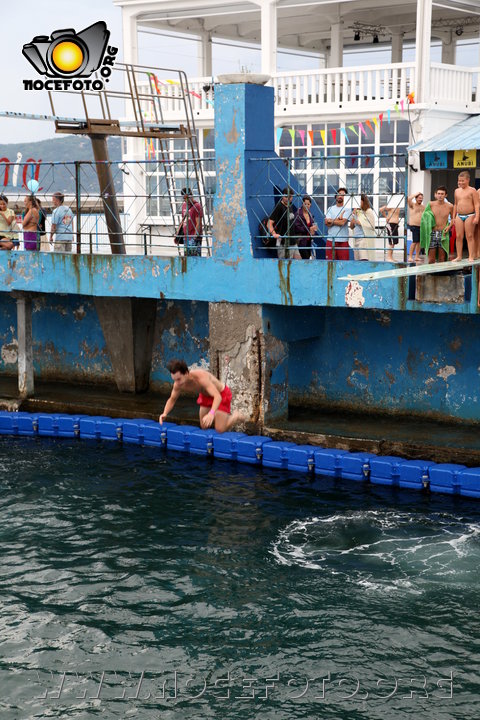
[{"x": 356, "y": 128}]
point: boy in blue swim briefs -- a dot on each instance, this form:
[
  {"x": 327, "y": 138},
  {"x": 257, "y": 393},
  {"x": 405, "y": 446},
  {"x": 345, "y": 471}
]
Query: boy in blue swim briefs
[{"x": 466, "y": 215}]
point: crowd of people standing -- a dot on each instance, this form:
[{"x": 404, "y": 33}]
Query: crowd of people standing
[{"x": 33, "y": 222}]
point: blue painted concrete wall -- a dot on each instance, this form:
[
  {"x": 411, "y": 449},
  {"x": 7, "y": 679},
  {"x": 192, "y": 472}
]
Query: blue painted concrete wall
[
  {"x": 68, "y": 342},
  {"x": 389, "y": 361}
]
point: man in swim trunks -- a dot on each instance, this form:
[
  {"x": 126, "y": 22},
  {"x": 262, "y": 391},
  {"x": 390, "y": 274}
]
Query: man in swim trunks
[
  {"x": 466, "y": 216},
  {"x": 416, "y": 210},
  {"x": 435, "y": 225},
  {"x": 214, "y": 396},
  {"x": 392, "y": 216}
]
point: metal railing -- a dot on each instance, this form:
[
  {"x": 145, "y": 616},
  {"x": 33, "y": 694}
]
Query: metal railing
[
  {"x": 382, "y": 178},
  {"x": 149, "y": 197}
]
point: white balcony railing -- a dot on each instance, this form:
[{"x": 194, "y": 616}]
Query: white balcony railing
[
  {"x": 371, "y": 88},
  {"x": 451, "y": 85}
]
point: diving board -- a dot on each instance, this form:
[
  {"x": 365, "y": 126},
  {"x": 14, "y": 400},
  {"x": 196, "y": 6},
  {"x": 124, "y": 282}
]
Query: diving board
[{"x": 410, "y": 270}]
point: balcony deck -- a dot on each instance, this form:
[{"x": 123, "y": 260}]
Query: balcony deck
[{"x": 337, "y": 91}]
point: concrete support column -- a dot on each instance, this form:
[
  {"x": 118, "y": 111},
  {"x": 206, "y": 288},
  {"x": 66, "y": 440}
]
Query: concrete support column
[
  {"x": 423, "y": 41},
  {"x": 269, "y": 36},
  {"x": 336, "y": 45},
  {"x": 397, "y": 47},
  {"x": 25, "y": 346},
  {"x": 246, "y": 355},
  {"x": 128, "y": 326},
  {"x": 205, "y": 55},
  {"x": 449, "y": 47}
]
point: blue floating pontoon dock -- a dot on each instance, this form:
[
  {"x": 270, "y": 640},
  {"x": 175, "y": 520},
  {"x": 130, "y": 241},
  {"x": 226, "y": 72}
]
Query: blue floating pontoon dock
[{"x": 423, "y": 475}]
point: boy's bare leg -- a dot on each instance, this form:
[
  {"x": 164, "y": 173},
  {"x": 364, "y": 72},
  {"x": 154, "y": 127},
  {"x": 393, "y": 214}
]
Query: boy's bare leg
[
  {"x": 202, "y": 412},
  {"x": 225, "y": 422},
  {"x": 442, "y": 255},
  {"x": 460, "y": 231},
  {"x": 432, "y": 256},
  {"x": 470, "y": 233}
]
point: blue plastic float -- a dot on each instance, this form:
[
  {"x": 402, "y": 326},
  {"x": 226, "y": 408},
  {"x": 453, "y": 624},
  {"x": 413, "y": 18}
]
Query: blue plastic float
[{"x": 447, "y": 478}]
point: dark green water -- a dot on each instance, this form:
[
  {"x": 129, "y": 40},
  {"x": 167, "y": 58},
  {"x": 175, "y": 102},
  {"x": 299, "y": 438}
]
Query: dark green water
[{"x": 137, "y": 584}]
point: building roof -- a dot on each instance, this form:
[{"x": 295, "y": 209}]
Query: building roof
[
  {"x": 464, "y": 135},
  {"x": 303, "y": 24}
]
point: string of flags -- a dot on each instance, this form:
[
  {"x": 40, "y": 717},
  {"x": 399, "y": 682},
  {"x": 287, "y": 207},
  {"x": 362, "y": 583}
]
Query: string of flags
[
  {"x": 157, "y": 83},
  {"x": 357, "y": 128}
]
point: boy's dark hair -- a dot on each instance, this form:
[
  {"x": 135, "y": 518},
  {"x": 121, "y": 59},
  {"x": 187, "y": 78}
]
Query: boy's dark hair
[
  {"x": 287, "y": 191},
  {"x": 186, "y": 192},
  {"x": 306, "y": 197},
  {"x": 175, "y": 366},
  {"x": 442, "y": 187},
  {"x": 60, "y": 196},
  {"x": 4, "y": 198}
]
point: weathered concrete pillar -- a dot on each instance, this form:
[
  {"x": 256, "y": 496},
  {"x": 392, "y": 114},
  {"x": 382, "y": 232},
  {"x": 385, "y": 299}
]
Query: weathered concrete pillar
[
  {"x": 246, "y": 355},
  {"x": 25, "y": 346},
  {"x": 128, "y": 326}
]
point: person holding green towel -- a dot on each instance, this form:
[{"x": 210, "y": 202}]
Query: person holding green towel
[{"x": 435, "y": 227}]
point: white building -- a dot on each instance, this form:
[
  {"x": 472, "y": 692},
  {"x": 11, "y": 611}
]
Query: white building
[{"x": 423, "y": 39}]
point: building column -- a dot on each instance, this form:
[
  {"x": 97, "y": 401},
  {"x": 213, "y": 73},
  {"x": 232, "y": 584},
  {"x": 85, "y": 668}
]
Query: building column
[
  {"x": 130, "y": 37},
  {"x": 25, "y": 346},
  {"x": 397, "y": 47},
  {"x": 449, "y": 47},
  {"x": 269, "y": 37},
  {"x": 205, "y": 55},
  {"x": 336, "y": 45},
  {"x": 422, "y": 42}
]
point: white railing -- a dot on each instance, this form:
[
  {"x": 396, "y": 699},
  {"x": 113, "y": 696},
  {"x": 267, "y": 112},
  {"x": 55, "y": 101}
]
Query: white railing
[
  {"x": 370, "y": 88},
  {"x": 454, "y": 85},
  {"x": 338, "y": 88}
]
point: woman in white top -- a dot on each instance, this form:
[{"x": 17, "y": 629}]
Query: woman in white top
[
  {"x": 362, "y": 222},
  {"x": 8, "y": 226}
]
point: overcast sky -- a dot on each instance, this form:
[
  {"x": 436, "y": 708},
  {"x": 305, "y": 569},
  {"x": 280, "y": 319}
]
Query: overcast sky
[{"x": 22, "y": 20}]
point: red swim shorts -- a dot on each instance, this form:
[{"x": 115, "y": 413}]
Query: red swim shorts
[{"x": 225, "y": 405}]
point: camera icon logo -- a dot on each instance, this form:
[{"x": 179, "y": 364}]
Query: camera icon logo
[{"x": 67, "y": 54}]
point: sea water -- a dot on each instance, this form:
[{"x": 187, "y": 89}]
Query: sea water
[{"x": 141, "y": 584}]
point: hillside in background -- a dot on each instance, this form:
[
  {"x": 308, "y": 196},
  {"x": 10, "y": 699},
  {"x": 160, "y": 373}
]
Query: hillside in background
[{"x": 64, "y": 150}]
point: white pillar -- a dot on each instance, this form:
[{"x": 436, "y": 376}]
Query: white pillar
[
  {"x": 449, "y": 46},
  {"x": 269, "y": 36},
  {"x": 397, "y": 47},
  {"x": 422, "y": 60},
  {"x": 205, "y": 55},
  {"x": 25, "y": 346},
  {"x": 336, "y": 45},
  {"x": 130, "y": 37}
]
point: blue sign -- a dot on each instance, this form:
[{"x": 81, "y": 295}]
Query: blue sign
[{"x": 436, "y": 160}]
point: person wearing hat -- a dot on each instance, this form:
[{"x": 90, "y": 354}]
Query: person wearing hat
[{"x": 416, "y": 208}]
